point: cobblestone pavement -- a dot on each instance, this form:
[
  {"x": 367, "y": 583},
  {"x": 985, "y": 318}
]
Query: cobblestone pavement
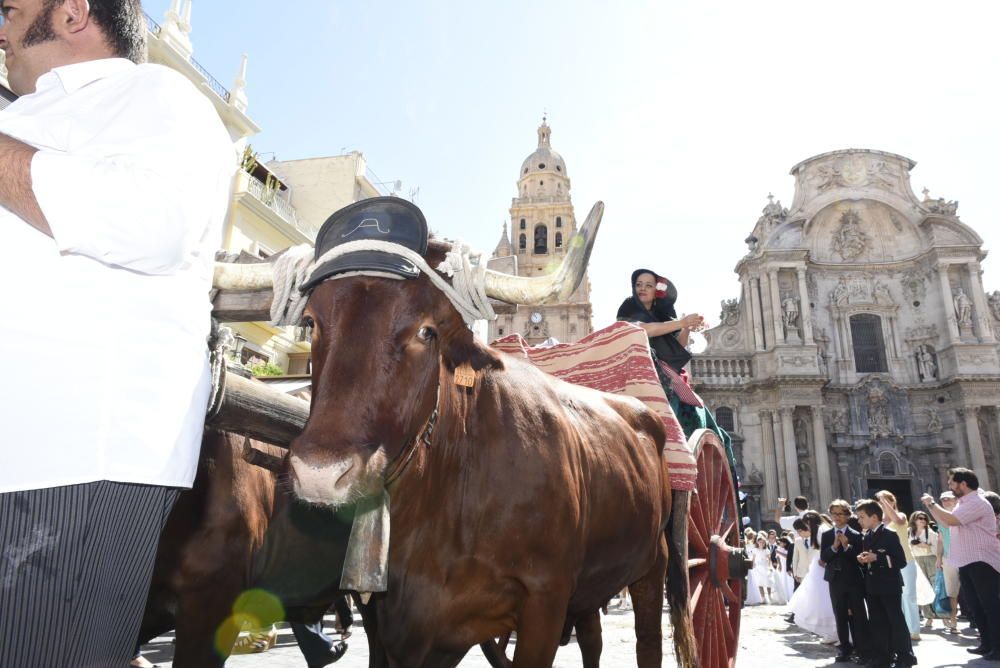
[{"x": 766, "y": 641}]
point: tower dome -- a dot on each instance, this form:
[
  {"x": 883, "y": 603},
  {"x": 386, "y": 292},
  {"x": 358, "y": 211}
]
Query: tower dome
[{"x": 543, "y": 173}]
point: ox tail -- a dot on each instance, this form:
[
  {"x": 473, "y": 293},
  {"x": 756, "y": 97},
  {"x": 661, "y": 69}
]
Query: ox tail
[{"x": 678, "y": 594}]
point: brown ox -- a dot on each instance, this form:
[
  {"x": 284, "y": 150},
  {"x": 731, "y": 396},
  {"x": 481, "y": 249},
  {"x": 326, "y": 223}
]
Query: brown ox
[
  {"x": 532, "y": 503},
  {"x": 221, "y": 541}
]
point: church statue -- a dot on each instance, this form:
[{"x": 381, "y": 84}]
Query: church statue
[
  {"x": 789, "y": 311},
  {"x": 926, "y": 366},
  {"x": 840, "y": 422},
  {"x": 801, "y": 437},
  {"x": 730, "y": 312},
  {"x": 994, "y": 302},
  {"x": 963, "y": 308}
]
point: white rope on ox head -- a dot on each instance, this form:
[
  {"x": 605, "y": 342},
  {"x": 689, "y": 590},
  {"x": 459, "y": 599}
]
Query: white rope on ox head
[{"x": 466, "y": 292}]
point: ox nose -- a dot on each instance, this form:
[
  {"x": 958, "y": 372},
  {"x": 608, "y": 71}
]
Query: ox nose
[{"x": 332, "y": 483}]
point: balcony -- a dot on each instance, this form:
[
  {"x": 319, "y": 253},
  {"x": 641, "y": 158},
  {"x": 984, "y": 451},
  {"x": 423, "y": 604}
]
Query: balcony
[
  {"x": 721, "y": 371},
  {"x": 155, "y": 29},
  {"x": 271, "y": 199}
]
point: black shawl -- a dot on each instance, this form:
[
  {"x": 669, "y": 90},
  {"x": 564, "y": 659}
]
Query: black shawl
[{"x": 666, "y": 346}]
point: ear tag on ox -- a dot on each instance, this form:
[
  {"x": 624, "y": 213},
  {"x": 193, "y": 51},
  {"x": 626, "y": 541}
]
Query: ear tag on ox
[{"x": 465, "y": 375}]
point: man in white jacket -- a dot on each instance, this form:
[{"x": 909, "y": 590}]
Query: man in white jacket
[{"x": 114, "y": 182}]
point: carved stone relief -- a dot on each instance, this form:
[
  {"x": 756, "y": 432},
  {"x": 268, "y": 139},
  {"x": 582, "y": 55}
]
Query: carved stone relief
[
  {"x": 773, "y": 214},
  {"x": 934, "y": 425},
  {"x": 878, "y": 412},
  {"x": 849, "y": 240},
  {"x": 914, "y": 285}
]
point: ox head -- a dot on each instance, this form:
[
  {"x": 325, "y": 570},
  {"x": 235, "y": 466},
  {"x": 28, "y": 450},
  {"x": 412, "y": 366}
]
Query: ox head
[{"x": 382, "y": 351}]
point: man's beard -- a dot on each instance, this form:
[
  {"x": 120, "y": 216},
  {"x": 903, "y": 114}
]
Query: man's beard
[
  {"x": 958, "y": 493},
  {"x": 40, "y": 30}
]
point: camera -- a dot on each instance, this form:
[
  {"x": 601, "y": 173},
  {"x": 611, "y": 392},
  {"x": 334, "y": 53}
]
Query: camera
[{"x": 914, "y": 541}]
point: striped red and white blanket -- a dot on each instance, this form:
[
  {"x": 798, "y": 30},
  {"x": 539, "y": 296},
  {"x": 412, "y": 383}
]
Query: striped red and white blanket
[{"x": 614, "y": 359}]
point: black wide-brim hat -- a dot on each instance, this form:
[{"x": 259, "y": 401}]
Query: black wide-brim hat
[{"x": 388, "y": 219}]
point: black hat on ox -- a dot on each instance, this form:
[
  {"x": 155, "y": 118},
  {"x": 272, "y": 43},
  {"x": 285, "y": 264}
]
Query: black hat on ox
[{"x": 377, "y": 219}]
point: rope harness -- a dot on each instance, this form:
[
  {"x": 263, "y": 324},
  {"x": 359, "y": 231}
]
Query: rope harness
[{"x": 466, "y": 291}]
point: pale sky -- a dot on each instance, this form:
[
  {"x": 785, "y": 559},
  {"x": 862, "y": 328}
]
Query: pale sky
[{"x": 680, "y": 116}]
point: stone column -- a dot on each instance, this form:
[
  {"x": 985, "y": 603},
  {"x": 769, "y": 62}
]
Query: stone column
[
  {"x": 791, "y": 457},
  {"x": 770, "y": 466},
  {"x": 779, "y": 448},
  {"x": 779, "y": 326},
  {"x": 975, "y": 439},
  {"x": 822, "y": 459},
  {"x": 845, "y": 481},
  {"x": 764, "y": 287},
  {"x": 949, "y": 304},
  {"x": 982, "y": 313},
  {"x": 805, "y": 311},
  {"x": 752, "y": 299}
]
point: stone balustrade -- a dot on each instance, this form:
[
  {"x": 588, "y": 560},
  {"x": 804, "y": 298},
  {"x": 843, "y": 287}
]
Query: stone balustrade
[{"x": 716, "y": 370}]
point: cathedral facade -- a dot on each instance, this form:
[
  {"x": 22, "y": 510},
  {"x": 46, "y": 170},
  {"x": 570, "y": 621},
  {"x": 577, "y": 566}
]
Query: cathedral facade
[
  {"x": 861, "y": 353},
  {"x": 542, "y": 227}
]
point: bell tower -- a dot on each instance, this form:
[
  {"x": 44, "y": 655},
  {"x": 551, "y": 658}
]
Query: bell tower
[{"x": 542, "y": 225}]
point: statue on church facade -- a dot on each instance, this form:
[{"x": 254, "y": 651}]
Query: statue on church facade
[
  {"x": 994, "y": 302},
  {"x": 926, "y": 366},
  {"x": 882, "y": 294},
  {"x": 963, "y": 308},
  {"x": 730, "y": 312},
  {"x": 789, "y": 311}
]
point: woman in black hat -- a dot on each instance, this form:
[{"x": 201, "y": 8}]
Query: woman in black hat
[{"x": 651, "y": 306}]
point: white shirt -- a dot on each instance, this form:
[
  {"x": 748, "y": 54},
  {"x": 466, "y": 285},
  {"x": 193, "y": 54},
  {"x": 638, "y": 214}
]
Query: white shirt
[
  {"x": 786, "y": 521},
  {"x": 104, "y": 325}
]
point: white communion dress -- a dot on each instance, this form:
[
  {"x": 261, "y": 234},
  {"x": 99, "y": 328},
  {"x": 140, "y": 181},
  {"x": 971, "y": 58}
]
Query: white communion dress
[{"x": 811, "y": 601}]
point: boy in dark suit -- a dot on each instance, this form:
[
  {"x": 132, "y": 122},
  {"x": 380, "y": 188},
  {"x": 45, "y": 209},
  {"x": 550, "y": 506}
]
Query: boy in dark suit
[
  {"x": 839, "y": 550},
  {"x": 881, "y": 560}
]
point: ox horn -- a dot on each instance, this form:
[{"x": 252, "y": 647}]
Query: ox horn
[
  {"x": 560, "y": 284},
  {"x": 229, "y": 276}
]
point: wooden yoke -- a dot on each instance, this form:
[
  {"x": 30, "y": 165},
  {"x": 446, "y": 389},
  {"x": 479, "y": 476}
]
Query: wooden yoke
[{"x": 253, "y": 409}]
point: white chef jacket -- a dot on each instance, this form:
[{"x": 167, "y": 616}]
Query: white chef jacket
[{"x": 104, "y": 325}]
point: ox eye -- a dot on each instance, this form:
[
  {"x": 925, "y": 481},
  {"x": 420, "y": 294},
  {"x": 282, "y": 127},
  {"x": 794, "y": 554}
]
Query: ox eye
[
  {"x": 426, "y": 334},
  {"x": 307, "y": 321}
]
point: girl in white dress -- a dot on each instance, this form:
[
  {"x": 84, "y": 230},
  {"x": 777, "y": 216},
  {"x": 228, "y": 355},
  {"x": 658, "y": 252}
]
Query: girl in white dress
[
  {"x": 761, "y": 579},
  {"x": 784, "y": 583},
  {"x": 811, "y": 601}
]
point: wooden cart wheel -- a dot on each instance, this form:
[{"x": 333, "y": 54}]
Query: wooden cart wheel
[{"x": 717, "y": 567}]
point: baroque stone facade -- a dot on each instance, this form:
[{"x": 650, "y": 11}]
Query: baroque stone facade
[
  {"x": 861, "y": 353},
  {"x": 542, "y": 228}
]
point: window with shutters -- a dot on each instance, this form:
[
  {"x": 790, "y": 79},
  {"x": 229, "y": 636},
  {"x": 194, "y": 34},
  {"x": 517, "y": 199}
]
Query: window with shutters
[{"x": 869, "y": 346}]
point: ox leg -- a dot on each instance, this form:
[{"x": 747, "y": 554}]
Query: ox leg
[
  {"x": 588, "y": 637},
  {"x": 369, "y": 619},
  {"x": 205, "y": 630},
  {"x": 647, "y": 602},
  {"x": 539, "y": 628}
]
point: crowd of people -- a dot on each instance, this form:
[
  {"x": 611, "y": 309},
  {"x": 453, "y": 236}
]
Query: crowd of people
[{"x": 868, "y": 578}]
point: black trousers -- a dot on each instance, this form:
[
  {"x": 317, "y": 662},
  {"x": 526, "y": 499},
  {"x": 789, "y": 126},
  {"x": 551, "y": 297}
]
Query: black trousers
[
  {"x": 77, "y": 561},
  {"x": 889, "y": 633},
  {"x": 982, "y": 586},
  {"x": 848, "y": 599}
]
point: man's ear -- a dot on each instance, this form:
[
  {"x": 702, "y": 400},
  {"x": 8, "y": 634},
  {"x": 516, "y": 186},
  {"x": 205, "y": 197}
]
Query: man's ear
[{"x": 73, "y": 16}]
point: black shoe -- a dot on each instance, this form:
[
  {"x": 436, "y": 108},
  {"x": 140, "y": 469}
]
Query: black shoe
[
  {"x": 842, "y": 657},
  {"x": 790, "y": 618},
  {"x": 982, "y": 651},
  {"x": 334, "y": 654}
]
